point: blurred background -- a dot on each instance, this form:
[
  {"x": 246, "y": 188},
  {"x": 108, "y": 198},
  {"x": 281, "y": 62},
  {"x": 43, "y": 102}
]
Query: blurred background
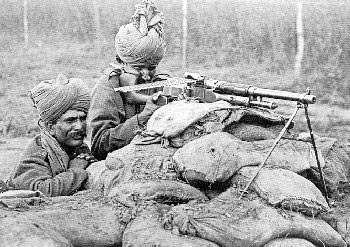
[{"x": 255, "y": 41}]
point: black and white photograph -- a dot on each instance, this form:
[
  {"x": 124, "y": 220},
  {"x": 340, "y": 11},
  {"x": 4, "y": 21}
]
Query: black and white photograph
[{"x": 157, "y": 123}]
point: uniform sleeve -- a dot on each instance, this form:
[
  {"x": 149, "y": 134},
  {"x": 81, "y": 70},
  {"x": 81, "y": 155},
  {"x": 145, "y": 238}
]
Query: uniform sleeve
[
  {"x": 109, "y": 128},
  {"x": 34, "y": 173}
]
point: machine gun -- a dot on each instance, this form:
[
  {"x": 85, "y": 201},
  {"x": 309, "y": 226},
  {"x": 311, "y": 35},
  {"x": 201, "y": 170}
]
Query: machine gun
[{"x": 207, "y": 90}]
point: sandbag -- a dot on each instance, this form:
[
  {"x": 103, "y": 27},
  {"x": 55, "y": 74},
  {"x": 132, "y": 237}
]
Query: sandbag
[
  {"x": 286, "y": 189},
  {"x": 227, "y": 221},
  {"x": 172, "y": 119},
  {"x": 149, "y": 155},
  {"x": 100, "y": 177},
  {"x": 164, "y": 191},
  {"x": 212, "y": 122},
  {"x": 96, "y": 176},
  {"x": 181, "y": 121},
  {"x": 254, "y": 132},
  {"x": 147, "y": 230},
  {"x": 292, "y": 155},
  {"x": 19, "y": 233},
  {"x": 130, "y": 162},
  {"x": 337, "y": 163},
  {"x": 217, "y": 156},
  {"x": 289, "y": 242},
  {"x": 62, "y": 221},
  {"x": 141, "y": 172}
]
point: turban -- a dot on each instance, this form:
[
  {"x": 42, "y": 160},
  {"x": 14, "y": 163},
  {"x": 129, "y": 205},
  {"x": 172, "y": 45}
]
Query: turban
[
  {"x": 142, "y": 40},
  {"x": 53, "y": 98}
]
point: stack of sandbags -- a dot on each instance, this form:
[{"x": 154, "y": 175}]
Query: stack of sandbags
[
  {"x": 141, "y": 172},
  {"x": 218, "y": 156},
  {"x": 228, "y": 221},
  {"x": 282, "y": 208}
]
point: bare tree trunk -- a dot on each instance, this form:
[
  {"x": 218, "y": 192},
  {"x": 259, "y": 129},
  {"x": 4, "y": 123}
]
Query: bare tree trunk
[
  {"x": 25, "y": 22},
  {"x": 300, "y": 39},
  {"x": 184, "y": 34},
  {"x": 98, "y": 25}
]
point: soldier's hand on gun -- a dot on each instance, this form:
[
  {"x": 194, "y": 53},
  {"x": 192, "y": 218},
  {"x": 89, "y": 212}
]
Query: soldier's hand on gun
[{"x": 151, "y": 104}]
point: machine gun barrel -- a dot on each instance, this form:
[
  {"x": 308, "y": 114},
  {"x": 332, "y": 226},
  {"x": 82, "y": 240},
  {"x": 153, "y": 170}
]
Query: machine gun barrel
[
  {"x": 244, "y": 101},
  {"x": 251, "y": 91}
]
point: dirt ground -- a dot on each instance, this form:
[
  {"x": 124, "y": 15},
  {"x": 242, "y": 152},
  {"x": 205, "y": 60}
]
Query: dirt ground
[{"x": 11, "y": 150}]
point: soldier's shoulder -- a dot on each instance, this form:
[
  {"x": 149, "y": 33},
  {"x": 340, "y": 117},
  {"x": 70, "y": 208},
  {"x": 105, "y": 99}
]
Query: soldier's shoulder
[
  {"x": 35, "y": 148},
  {"x": 109, "y": 78}
]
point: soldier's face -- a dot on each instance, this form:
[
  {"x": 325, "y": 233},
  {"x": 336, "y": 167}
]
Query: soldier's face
[
  {"x": 70, "y": 129},
  {"x": 146, "y": 73}
]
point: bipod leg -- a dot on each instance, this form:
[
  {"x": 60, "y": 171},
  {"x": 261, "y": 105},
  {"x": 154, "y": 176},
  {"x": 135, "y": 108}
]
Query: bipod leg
[
  {"x": 271, "y": 149},
  {"x": 325, "y": 193}
]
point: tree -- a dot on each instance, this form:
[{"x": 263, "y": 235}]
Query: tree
[
  {"x": 300, "y": 39},
  {"x": 25, "y": 22},
  {"x": 184, "y": 34}
]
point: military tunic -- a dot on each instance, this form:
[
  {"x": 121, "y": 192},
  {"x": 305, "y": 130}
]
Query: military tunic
[
  {"x": 34, "y": 172},
  {"x": 112, "y": 119}
]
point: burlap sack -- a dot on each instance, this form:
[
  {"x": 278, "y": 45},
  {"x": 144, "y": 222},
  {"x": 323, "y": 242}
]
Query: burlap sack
[
  {"x": 181, "y": 122},
  {"x": 96, "y": 175},
  {"x": 62, "y": 221},
  {"x": 289, "y": 242},
  {"x": 216, "y": 157},
  {"x": 254, "y": 132},
  {"x": 141, "y": 172},
  {"x": 147, "y": 230},
  {"x": 286, "y": 189},
  {"x": 337, "y": 163},
  {"x": 227, "y": 221},
  {"x": 172, "y": 119},
  {"x": 149, "y": 161}
]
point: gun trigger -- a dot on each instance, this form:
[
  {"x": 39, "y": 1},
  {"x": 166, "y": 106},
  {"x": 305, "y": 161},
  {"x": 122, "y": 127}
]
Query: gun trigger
[{"x": 156, "y": 97}]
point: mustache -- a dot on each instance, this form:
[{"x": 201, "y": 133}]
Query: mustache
[
  {"x": 81, "y": 133},
  {"x": 140, "y": 80}
]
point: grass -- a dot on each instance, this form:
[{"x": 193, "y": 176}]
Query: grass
[{"x": 22, "y": 68}]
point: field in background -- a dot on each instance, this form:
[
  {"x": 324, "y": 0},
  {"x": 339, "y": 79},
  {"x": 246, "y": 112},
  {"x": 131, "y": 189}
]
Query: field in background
[
  {"x": 253, "y": 41},
  {"x": 27, "y": 67}
]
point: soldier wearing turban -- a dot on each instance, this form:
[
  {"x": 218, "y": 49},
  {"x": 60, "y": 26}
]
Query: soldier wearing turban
[
  {"x": 55, "y": 161},
  {"x": 115, "y": 117}
]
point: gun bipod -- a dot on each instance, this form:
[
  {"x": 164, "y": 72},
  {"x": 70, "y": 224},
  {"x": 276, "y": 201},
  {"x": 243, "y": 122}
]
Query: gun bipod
[{"x": 279, "y": 137}]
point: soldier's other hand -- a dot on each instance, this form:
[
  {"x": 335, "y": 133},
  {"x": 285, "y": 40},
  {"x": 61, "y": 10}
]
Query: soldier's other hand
[{"x": 79, "y": 163}]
